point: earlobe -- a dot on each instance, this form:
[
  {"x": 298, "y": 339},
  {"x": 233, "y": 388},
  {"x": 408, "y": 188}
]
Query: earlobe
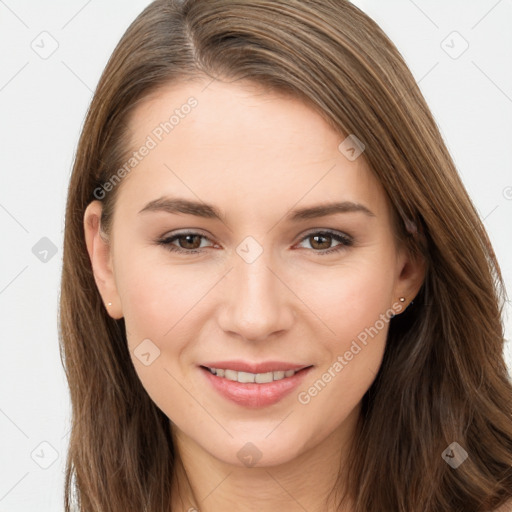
[{"x": 100, "y": 254}]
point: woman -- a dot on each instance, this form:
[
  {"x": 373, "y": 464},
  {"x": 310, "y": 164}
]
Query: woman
[{"x": 276, "y": 292}]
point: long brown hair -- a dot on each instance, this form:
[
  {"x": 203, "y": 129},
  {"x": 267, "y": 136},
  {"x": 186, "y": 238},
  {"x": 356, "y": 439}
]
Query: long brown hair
[{"x": 443, "y": 378}]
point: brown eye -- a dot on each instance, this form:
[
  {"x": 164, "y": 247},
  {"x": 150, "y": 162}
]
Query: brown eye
[
  {"x": 190, "y": 241},
  {"x": 321, "y": 241},
  {"x": 187, "y": 242}
]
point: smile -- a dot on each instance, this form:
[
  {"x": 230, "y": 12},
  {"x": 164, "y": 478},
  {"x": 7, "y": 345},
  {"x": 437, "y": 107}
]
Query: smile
[
  {"x": 259, "y": 378},
  {"x": 264, "y": 386}
]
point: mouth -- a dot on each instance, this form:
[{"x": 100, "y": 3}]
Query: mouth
[
  {"x": 249, "y": 377},
  {"x": 265, "y": 385}
]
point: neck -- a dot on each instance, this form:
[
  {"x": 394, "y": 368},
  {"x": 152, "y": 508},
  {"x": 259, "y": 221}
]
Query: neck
[{"x": 206, "y": 484}]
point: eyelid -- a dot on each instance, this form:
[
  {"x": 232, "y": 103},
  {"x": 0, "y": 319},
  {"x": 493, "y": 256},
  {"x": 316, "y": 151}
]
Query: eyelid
[
  {"x": 192, "y": 231},
  {"x": 311, "y": 231},
  {"x": 314, "y": 231},
  {"x": 345, "y": 240},
  {"x": 167, "y": 239}
]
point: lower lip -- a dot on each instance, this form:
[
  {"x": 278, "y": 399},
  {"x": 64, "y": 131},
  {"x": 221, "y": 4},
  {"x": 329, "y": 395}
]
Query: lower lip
[{"x": 255, "y": 395}]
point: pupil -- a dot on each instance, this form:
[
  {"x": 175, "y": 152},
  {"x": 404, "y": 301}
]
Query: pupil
[
  {"x": 325, "y": 238},
  {"x": 188, "y": 243}
]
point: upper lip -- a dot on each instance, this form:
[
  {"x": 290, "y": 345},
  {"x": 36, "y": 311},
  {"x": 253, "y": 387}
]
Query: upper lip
[{"x": 250, "y": 367}]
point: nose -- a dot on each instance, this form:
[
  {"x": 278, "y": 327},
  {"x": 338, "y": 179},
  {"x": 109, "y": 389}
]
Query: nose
[{"x": 258, "y": 302}]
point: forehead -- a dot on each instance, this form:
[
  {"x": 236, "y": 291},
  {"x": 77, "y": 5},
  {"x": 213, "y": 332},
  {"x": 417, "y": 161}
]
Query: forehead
[{"x": 241, "y": 144}]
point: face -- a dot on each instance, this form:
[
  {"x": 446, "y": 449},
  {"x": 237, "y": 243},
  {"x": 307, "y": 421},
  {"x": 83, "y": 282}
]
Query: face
[{"x": 220, "y": 257}]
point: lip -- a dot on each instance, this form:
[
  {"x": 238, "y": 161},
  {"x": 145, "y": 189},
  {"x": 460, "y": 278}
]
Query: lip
[
  {"x": 251, "y": 394},
  {"x": 264, "y": 367}
]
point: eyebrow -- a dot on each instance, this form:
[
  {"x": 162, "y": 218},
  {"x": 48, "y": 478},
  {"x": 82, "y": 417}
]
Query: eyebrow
[{"x": 208, "y": 211}]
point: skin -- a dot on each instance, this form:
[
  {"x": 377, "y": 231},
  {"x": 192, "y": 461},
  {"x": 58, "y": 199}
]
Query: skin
[{"x": 256, "y": 156}]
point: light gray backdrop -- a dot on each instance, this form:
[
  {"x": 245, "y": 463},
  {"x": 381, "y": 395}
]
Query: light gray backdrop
[{"x": 52, "y": 55}]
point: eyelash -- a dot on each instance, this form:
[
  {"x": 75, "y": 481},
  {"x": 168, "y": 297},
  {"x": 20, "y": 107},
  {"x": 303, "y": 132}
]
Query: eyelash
[{"x": 345, "y": 240}]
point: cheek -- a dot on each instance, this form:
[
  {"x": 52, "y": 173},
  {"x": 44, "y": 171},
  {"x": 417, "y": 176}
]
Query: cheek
[
  {"x": 158, "y": 306},
  {"x": 158, "y": 298},
  {"x": 355, "y": 308},
  {"x": 349, "y": 298},
  {"x": 163, "y": 307}
]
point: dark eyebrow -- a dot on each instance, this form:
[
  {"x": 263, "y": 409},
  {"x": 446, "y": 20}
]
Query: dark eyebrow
[
  {"x": 322, "y": 210},
  {"x": 199, "y": 209},
  {"x": 170, "y": 205}
]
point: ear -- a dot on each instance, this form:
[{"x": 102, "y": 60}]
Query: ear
[
  {"x": 100, "y": 253},
  {"x": 411, "y": 275}
]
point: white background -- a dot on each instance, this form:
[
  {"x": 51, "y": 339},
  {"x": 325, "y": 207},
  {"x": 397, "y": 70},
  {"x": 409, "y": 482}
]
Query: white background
[{"x": 42, "y": 107}]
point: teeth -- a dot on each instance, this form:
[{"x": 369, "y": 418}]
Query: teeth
[
  {"x": 246, "y": 377},
  {"x": 262, "y": 378},
  {"x": 259, "y": 378},
  {"x": 230, "y": 374}
]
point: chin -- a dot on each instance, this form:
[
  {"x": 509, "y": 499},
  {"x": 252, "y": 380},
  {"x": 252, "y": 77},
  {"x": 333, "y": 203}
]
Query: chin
[{"x": 248, "y": 451}]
